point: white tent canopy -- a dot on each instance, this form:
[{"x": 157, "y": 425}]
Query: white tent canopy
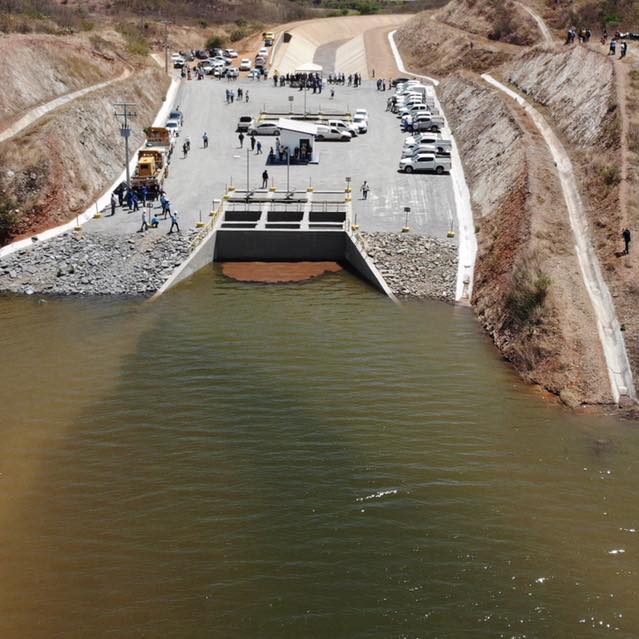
[{"x": 309, "y": 67}]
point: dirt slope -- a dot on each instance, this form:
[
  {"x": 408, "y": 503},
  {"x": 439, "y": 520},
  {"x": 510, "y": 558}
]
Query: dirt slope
[
  {"x": 525, "y": 246},
  {"x": 57, "y": 167},
  {"x": 432, "y": 47},
  {"x": 502, "y": 20},
  {"x": 46, "y": 67},
  {"x": 578, "y": 87}
]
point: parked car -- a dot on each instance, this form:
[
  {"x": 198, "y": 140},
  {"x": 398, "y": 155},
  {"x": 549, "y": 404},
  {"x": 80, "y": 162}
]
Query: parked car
[
  {"x": 245, "y": 123},
  {"x": 245, "y": 64},
  {"x": 177, "y": 61},
  {"x": 259, "y": 61},
  {"x": 331, "y": 133},
  {"x": 361, "y": 122},
  {"x": 174, "y": 128},
  {"x": 232, "y": 72},
  {"x": 177, "y": 115},
  {"x": 426, "y": 162},
  {"x": 264, "y": 128},
  {"x": 263, "y": 52},
  {"x": 230, "y": 53},
  {"x": 215, "y": 51},
  {"x": 202, "y": 54},
  {"x": 362, "y": 112}
]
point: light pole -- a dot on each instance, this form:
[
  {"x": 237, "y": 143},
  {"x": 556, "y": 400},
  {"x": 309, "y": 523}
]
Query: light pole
[
  {"x": 125, "y": 131},
  {"x": 406, "y": 228},
  {"x": 166, "y": 45},
  {"x": 247, "y": 172}
]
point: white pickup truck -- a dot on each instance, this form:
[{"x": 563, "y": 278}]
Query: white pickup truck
[
  {"x": 433, "y": 139},
  {"x": 426, "y": 162},
  {"x": 420, "y": 149},
  {"x": 423, "y": 122}
]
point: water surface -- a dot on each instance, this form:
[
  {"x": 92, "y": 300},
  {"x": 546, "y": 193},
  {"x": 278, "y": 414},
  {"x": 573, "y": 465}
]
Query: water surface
[{"x": 308, "y": 460}]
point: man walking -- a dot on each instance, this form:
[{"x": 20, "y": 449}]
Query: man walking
[
  {"x": 174, "y": 222},
  {"x": 626, "y": 238},
  {"x": 259, "y": 148},
  {"x": 205, "y": 141},
  {"x": 145, "y": 226},
  {"x": 112, "y": 203},
  {"x": 265, "y": 179},
  {"x": 246, "y": 98},
  {"x": 240, "y": 137},
  {"x": 365, "y": 189},
  {"x": 624, "y": 49},
  {"x": 252, "y": 142}
]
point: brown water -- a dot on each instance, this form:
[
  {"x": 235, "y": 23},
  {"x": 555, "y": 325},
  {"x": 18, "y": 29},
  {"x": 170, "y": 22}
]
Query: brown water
[
  {"x": 278, "y": 272},
  {"x": 309, "y": 460}
]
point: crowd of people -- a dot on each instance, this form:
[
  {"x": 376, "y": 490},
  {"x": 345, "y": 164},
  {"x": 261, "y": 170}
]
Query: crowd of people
[
  {"x": 584, "y": 36},
  {"x": 132, "y": 199}
]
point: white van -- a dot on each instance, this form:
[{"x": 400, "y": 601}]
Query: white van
[
  {"x": 332, "y": 133},
  {"x": 344, "y": 126}
]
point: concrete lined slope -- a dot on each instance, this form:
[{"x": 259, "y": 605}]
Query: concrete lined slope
[
  {"x": 308, "y": 36},
  {"x": 350, "y": 57},
  {"x": 612, "y": 341}
]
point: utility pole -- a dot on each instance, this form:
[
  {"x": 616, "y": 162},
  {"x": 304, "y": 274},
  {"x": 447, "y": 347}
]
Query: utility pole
[
  {"x": 124, "y": 110},
  {"x": 166, "y": 45}
]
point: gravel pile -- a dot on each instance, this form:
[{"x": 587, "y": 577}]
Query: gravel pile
[
  {"x": 95, "y": 264},
  {"x": 414, "y": 265}
]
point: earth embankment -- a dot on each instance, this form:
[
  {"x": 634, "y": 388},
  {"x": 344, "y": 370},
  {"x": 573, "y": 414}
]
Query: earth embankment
[
  {"x": 578, "y": 89},
  {"x": 503, "y": 20},
  {"x": 57, "y": 167},
  {"x": 528, "y": 291},
  {"x": 432, "y": 47},
  {"x": 39, "y": 68}
]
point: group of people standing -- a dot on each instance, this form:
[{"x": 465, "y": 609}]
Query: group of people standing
[
  {"x": 241, "y": 93},
  {"x": 584, "y": 36},
  {"x": 124, "y": 195}
]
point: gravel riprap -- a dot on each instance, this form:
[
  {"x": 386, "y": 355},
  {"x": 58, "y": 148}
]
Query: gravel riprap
[
  {"x": 95, "y": 264},
  {"x": 414, "y": 266}
]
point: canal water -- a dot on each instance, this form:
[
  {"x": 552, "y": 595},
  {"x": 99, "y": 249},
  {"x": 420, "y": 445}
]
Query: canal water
[{"x": 309, "y": 460}]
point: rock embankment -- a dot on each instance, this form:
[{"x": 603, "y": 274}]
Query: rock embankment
[
  {"x": 95, "y": 264},
  {"x": 415, "y": 265}
]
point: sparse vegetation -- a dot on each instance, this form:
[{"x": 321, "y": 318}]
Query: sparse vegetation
[
  {"x": 8, "y": 219},
  {"x": 215, "y": 42},
  {"x": 526, "y": 300}
]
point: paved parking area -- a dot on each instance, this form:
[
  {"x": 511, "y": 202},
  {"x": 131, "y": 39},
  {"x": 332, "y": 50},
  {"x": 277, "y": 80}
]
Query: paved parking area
[{"x": 194, "y": 182}]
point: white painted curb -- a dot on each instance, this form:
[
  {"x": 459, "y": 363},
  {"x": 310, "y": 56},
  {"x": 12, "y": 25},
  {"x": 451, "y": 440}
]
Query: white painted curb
[
  {"x": 467, "y": 250},
  {"x": 400, "y": 63},
  {"x": 104, "y": 200},
  {"x": 612, "y": 341}
]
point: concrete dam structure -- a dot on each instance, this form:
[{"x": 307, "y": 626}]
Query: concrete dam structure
[{"x": 279, "y": 226}]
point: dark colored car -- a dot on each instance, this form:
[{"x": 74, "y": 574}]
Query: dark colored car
[{"x": 201, "y": 54}]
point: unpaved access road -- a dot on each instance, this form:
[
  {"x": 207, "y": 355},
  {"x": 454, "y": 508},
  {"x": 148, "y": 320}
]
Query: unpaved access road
[{"x": 612, "y": 341}]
